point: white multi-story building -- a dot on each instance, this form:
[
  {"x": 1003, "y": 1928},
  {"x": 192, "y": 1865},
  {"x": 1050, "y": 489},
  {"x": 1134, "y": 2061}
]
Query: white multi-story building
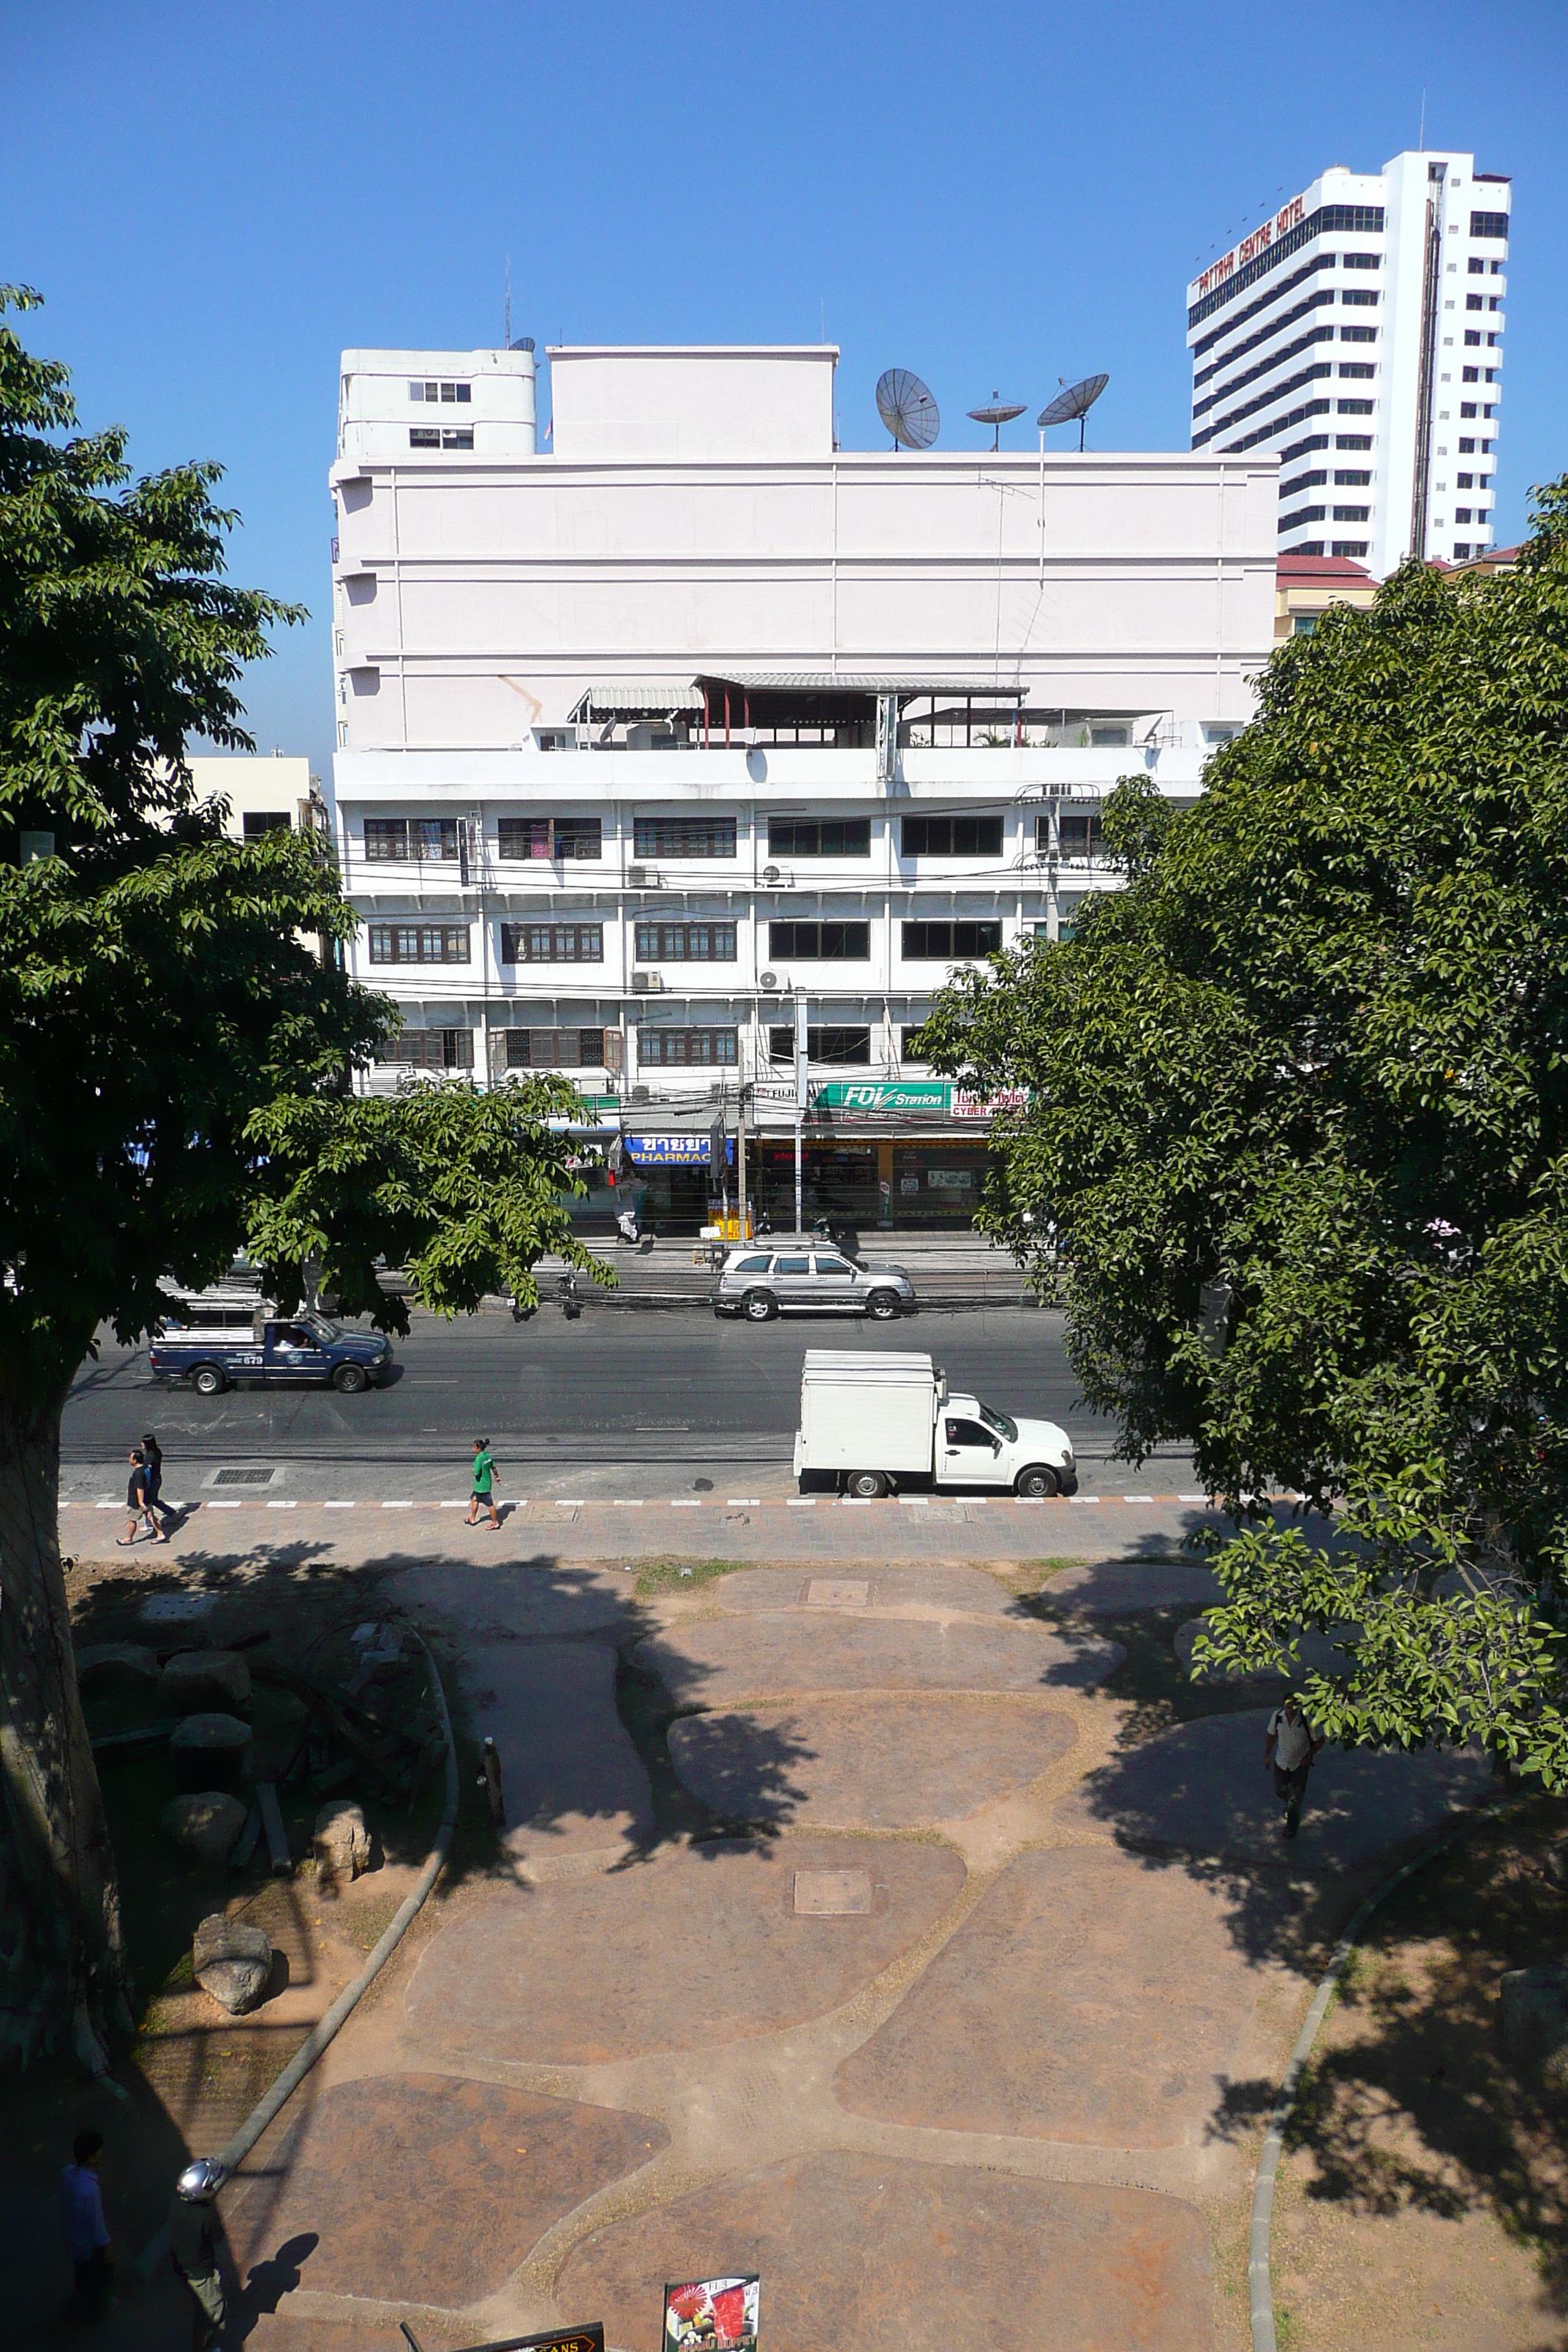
[
  {"x": 1358, "y": 336},
  {"x": 650, "y": 737}
]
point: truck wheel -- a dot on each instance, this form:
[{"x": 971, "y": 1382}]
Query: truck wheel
[
  {"x": 882, "y": 1306},
  {"x": 1036, "y": 1481},
  {"x": 207, "y": 1380},
  {"x": 760, "y": 1306},
  {"x": 348, "y": 1379},
  {"x": 864, "y": 1484}
]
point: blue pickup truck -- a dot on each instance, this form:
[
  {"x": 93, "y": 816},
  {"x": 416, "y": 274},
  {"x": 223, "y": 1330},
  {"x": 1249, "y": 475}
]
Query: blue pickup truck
[{"x": 305, "y": 1346}]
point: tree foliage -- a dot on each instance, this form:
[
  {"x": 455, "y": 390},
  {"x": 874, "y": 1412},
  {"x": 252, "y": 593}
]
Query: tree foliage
[
  {"x": 1299, "y": 1120},
  {"x": 177, "y": 1035}
]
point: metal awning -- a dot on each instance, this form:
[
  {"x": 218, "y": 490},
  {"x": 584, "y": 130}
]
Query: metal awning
[
  {"x": 905, "y": 684},
  {"x": 638, "y": 698}
]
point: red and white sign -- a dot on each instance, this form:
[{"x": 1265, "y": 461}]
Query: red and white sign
[
  {"x": 1287, "y": 217},
  {"x": 967, "y": 1104}
]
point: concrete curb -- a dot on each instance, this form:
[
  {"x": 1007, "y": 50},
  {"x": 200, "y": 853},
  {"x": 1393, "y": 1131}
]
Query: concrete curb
[{"x": 1259, "y": 2273}]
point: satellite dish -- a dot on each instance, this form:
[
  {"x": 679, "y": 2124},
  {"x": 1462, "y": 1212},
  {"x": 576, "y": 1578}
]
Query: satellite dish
[
  {"x": 907, "y": 409},
  {"x": 999, "y": 412},
  {"x": 1074, "y": 403}
]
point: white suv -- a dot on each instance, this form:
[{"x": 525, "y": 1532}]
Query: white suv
[{"x": 760, "y": 1282}]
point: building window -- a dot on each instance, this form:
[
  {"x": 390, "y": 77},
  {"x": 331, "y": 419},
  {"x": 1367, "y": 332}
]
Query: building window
[
  {"x": 1303, "y": 625},
  {"x": 1350, "y": 478},
  {"x": 686, "y": 1049},
  {"x": 457, "y": 437},
  {"x": 821, "y": 943},
  {"x": 1077, "y": 830},
  {"x": 1110, "y": 739},
  {"x": 1310, "y": 481},
  {"x": 941, "y": 942},
  {"x": 1461, "y": 547},
  {"x": 1352, "y": 514},
  {"x": 1464, "y": 482},
  {"x": 419, "y": 943},
  {"x": 1466, "y": 448},
  {"x": 416, "y": 839},
  {"x": 1361, "y": 261},
  {"x": 848, "y": 1047},
  {"x": 555, "y": 1049},
  {"x": 1491, "y": 375},
  {"x": 1488, "y": 224},
  {"x": 1473, "y": 338},
  {"x": 1461, "y": 514},
  {"x": 424, "y": 436},
  {"x": 1475, "y": 301},
  {"x": 553, "y": 943},
  {"x": 1470, "y": 375},
  {"x": 1305, "y": 547},
  {"x": 1365, "y": 296},
  {"x": 686, "y": 942},
  {"x": 1352, "y": 440},
  {"x": 1492, "y": 343},
  {"x": 256, "y": 821},
  {"x": 1357, "y": 335},
  {"x": 1355, "y": 548},
  {"x": 1467, "y": 407},
  {"x": 430, "y": 1049},
  {"x": 951, "y": 836},
  {"x": 1303, "y": 515},
  {"x": 1477, "y": 265},
  {"x": 1355, "y": 407},
  {"x": 681, "y": 836},
  {"x": 1303, "y": 449},
  {"x": 550, "y": 837},
  {"x": 426, "y": 390},
  {"x": 1495, "y": 303},
  {"x": 809, "y": 837}
]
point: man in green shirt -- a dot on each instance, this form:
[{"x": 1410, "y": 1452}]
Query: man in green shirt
[{"x": 484, "y": 1483}]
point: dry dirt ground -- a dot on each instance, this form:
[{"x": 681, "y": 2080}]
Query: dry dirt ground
[{"x": 917, "y": 1936}]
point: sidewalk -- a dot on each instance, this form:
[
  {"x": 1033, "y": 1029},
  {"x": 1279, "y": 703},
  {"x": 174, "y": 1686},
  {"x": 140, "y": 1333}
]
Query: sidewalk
[{"x": 947, "y": 1269}]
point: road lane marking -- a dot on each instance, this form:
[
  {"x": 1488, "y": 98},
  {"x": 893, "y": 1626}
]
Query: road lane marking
[
  {"x": 451, "y": 1506},
  {"x": 800, "y": 1502},
  {"x": 337, "y": 1507},
  {"x": 1191, "y": 1499},
  {"x": 620, "y": 1502},
  {"x": 282, "y": 1507},
  {"x": 682, "y": 1505},
  {"x": 396, "y": 1506},
  {"x": 223, "y": 1506},
  {"x": 743, "y": 1502}
]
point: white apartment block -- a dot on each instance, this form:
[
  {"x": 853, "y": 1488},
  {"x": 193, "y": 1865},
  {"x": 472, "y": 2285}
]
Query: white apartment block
[
  {"x": 649, "y": 736},
  {"x": 1358, "y": 336},
  {"x": 264, "y": 792}
]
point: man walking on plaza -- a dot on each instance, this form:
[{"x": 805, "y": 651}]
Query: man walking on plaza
[
  {"x": 193, "y": 2249},
  {"x": 484, "y": 1483},
  {"x": 87, "y": 2232},
  {"x": 1289, "y": 1747}
]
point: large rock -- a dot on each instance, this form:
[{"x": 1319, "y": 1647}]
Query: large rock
[
  {"x": 205, "y": 1678},
  {"x": 205, "y": 1824},
  {"x": 1535, "y": 2013},
  {"x": 233, "y": 1962},
  {"x": 210, "y": 1750},
  {"x": 116, "y": 1665},
  {"x": 341, "y": 1839}
]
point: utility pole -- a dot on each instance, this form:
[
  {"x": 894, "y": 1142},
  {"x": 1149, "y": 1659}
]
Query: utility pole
[
  {"x": 802, "y": 1039},
  {"x": 741, "y": 1162}
]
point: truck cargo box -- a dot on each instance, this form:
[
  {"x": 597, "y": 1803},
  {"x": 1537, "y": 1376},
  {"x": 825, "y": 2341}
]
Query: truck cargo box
[{"x": 860, "y": 1411}]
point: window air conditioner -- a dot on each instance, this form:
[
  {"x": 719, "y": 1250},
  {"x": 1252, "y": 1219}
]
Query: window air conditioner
[{"x": 647, "y": 983}]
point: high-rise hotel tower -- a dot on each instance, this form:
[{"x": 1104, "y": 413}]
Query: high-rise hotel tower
[{"x": 1360, "y": 334}]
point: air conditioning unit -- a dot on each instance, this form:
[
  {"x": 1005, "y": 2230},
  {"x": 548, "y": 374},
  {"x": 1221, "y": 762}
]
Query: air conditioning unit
[
  {"x": 771, "y": 874},
  {"x": 639, "y": 877},
  {"x": 770, "y": 981},
  {"x": 647, "y": 983}
]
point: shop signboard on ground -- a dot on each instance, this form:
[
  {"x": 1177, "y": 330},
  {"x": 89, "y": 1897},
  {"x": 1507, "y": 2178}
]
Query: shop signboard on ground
[
  {"x": 712, "y": 2314},
  {"x": 882, "y": 1094},
  {"x": 690, "y": 1148}
]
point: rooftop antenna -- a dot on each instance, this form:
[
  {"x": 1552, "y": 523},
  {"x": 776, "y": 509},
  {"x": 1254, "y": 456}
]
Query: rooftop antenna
[
  {"x": 907, "y": 409},
  {"x": 997, "y": 414},
  {"x": 1421, "y": 140},
  {"x": 506, "y": 344},
  {"x": 1073, "y": 404}
]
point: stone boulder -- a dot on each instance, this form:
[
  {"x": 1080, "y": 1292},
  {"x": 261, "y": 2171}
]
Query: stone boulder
[
  {"x": 210, "y": 1750},
  {"x": 341, "y": 1840},
  {"x": 233, "y": 1962},
  {"x": 116, "y": 1666},
  {"x": 205, "y": 1678},
  {"x": 1535, "y": 2015},
  {"x": 205, "y": 1824}
]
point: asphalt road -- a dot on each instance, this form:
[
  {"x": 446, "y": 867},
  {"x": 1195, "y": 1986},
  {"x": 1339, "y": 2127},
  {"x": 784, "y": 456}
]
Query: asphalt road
[{"x": 676, "y": 1388}]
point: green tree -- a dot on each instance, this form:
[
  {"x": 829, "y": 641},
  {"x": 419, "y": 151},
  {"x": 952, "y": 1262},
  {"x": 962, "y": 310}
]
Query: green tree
[
  {"x": 1299, "y": 1118},
  {"x": 172, "y": 1064}
]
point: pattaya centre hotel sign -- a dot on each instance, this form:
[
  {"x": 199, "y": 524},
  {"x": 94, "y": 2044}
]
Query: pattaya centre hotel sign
[{"x": 1288, "y": 217}]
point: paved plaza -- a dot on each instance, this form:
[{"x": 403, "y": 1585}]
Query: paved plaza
[{"x": 842, "y": 1931}]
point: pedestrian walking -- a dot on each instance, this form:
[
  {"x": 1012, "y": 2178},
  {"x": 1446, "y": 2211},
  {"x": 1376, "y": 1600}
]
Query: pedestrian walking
[
  {"x": 489, "y": 1781},
  {"x": 1289, "y": 1747},
  {"x": 192, "y": 2248},
  {"x": 136, "y": 1499},
  {"x": 87, "y": 2232},
  {"x": 152, "y": 1484},
  {"x": 484, "y": 1492}
]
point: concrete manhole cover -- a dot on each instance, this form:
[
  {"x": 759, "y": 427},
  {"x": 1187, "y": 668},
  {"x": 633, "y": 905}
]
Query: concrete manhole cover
[
  {"x": 839, "y": 1592},
  {"x": 832, "y": 1893}
]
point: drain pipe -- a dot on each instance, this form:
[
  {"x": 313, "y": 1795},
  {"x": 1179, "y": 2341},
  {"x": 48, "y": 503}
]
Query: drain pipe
[
  {"x": 271, "y": 2104},
  {"x": 1259, "y": 2281}
]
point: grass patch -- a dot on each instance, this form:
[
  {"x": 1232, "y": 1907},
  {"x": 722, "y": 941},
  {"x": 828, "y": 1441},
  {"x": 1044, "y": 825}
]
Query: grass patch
[{"x": 672, "y": 1573}]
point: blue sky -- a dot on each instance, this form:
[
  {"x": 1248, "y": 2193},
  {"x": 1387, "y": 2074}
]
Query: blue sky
[{"x": 215, "y": 201}]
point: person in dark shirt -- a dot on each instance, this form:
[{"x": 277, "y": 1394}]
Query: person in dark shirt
[
  {"x": 87, "y": 2232},
  {"x": 152, "y": 1484},
  {"x": 194, "y": 2236},
  {"x": 135, "y": 1498}
]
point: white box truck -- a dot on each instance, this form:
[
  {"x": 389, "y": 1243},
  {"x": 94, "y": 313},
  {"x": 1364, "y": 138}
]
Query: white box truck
[{"x": 873, "y": 1422}]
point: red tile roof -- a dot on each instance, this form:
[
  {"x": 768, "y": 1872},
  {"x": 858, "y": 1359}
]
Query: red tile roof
[{"x": 1323, "y": 567}]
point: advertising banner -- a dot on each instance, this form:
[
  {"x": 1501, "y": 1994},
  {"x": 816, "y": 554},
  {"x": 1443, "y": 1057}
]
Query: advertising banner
[
  {"x": 712, "y": 2316},
  {"x": 882, "y": 1094},
  {"x": 967, "y": 1104},
  {"x": 587, "y": 2338},
  {"x": 689, "y": 1149}
]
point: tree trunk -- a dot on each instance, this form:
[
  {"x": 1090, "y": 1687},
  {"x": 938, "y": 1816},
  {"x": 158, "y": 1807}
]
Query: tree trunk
[{"x": 62, "y": 1961}]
